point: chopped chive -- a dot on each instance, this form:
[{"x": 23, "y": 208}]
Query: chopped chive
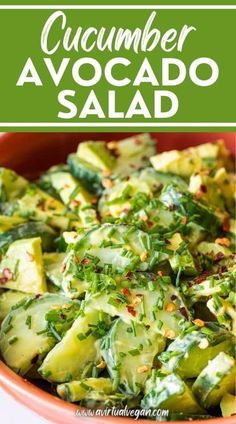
[
  {"x": 28, "y": 321},
  {"x": 12, "y": 340}
]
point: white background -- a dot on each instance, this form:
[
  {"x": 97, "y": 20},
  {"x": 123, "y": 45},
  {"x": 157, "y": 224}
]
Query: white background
[{"x": 11, "y": 412}]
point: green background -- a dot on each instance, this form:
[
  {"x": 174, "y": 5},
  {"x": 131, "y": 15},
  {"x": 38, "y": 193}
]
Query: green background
[{"x": 20, "y": 32}]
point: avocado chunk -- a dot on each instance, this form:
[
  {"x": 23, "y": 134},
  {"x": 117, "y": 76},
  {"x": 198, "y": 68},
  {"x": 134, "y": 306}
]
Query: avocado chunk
[
  {"x": 22, "y": 267},
  {"x": 12, "y": 186},
  {"x": 8, "y": 299},
  {"x": 53, "y": 267},
  {"x": 228, "y": 405},
  {"x": 203, "y": 185},
  {"x": 74, "y": 196},
  {"x": 39, "y": 206},
  {"x": 132, "y": 153},
  {"x": 170, "y": 392},
  {"x": 182, "y": 258},
  {"x": 97, "y": 154},
  {"x": 7, "y": 222},
  {"x": 88, "y": 388},
  {"x": 177, "y": 162},
  {"x": 215, "y": 380}
]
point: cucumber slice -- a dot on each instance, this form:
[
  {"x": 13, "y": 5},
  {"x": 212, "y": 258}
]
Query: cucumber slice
[
  {"x": 170, "y": 392},
  {"x": 122, "y": 246},
  {"x": 212, "y": 250},
  {"x": 22, "y": 267},
  {"x": 129, "y": 356},
  {"x": 121, "y": 196},
  {"x": 217, "y": 379},
  {"x": 188, "y": 355},
  {"x": 28, "y": 230},
  {"x": 89, "y": 388},
  {"x": 160, "y": 307},
  {"x": 76, "y": 354},
  {"x": 27, "y": 334},
  {"x": 205, "y": 286},
  {"x": 185, "y": 205},
  {"x": 89, "y": 175}
]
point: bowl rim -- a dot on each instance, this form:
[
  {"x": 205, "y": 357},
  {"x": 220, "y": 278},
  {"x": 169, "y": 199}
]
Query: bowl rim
[{"x": 22, "y": 390}]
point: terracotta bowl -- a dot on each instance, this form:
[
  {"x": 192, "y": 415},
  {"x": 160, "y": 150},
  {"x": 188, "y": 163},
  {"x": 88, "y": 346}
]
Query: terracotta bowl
[{"x": 29, "y": 154}]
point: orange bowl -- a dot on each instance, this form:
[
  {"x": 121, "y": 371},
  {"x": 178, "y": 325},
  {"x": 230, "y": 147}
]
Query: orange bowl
[{"x": 29, "y": 154}]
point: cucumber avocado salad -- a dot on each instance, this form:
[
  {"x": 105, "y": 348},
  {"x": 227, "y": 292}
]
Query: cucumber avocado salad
[{"x": 117, "y": 277}]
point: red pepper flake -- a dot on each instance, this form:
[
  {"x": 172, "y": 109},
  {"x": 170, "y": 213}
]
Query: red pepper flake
[
  {"x": 31, "y": 257},
  {"x": 3, "y": 280},
  {"x": 107, "y": 183},
  {"x": 131, "y": 310},
  {"x": 7, "y": 274},
  {"x": 201, "y": 277},
  {"x": 198, "y": 195},
  {"x": 184, "y": 220},
  {"x": 218, "y": 257},
  {"x": 38, "y": 295},
  {"x": 171, "y": 207},
  {"x": 127, "y": 178},
  {"x": 42, "y": 204},
  {"x": 149, "y": 223},
  {"x": 125, "y": 291},
  {"x": 125, "y": 211},
  {"x": 222, "y": 241},
  {"x": 138, "y": 140},
  {"x": 183, "y": 312},
  {"x": 221, "y": 269},
  {"x": 160, "y": 273},
  {"x": 203, "y": 188},
  {"x": 128, "y": 275},
  {"x": 63, "y": 267},
  {"x": 85, "y": 261},
  {"x": 173, "y": 297},
  {"x": 76, "y": 202},
  {"x": 226, "y": 223}
]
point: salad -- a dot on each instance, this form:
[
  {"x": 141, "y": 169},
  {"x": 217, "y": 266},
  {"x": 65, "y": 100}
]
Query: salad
[{"x": 117, "y": 277}]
